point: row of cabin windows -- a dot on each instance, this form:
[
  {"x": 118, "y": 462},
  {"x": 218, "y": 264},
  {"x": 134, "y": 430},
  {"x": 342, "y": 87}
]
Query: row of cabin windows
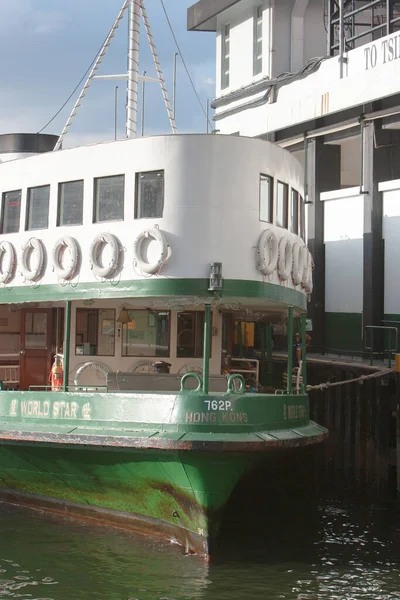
[
  {"x": 257, "y": 47},
  {"x": 277, "y": 205},
  {"x": 108, "y": 204},
  {"x": 147, "y": 334}
]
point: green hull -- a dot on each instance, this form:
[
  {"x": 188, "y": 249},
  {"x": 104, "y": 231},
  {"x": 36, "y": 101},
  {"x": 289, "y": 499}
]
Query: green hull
[{"x": 161, "y": 463}]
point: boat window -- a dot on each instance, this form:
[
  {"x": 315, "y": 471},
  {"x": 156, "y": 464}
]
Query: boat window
[
  {"x": 225, "y": 56},
  {"x": 282, "y": 204},
  {"x": 149, "y": 195},
  {"x": 146, "y": 334},
  {"x": 294, "y": 213},
  {"x": 109, "y": 198},
  {"x": 38, "y": 208},
  {"x": 11, "y": 208},
  {"x": 190, "y": 338},
  {"x": 70, "y": 203},
  {"x": 257, "y": 41},
  {"x": 95, "y": 332},
  {"x": 302, "y": 219},
  {"x": 266, "y": 199}
]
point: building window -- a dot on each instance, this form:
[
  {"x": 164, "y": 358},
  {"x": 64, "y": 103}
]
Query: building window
[
  {"x": 225, "y": 53},
  {"x": 109, "y": 198},
  {"x": 294, "y": 213},
  {"x": 282, "y": 204},
  {"x": 257, "y": 49},
  {"x": 147, "y": 334},
  {"x": 302, "y": 219},
  {"x": 11, "y": 211},
  {"x": 190, "y": 337},
  {"x": 38, "y": 208},
  {"x": 149, "y": 195},
  {"x": 266, "y": 198},
  {"x": 70, "y": 203},
  {"x": 95, "y": 332}
]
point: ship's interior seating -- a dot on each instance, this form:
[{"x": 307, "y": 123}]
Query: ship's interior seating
[{"x": 157, "y": 382}]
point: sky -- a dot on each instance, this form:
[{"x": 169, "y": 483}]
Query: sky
[{"x": 47, "y": 45}]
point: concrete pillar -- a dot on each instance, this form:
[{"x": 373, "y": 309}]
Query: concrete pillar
[{"x": 323, "y": 175}]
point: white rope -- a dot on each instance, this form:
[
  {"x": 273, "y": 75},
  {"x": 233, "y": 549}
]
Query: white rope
[
  {"x": 158, "y": 68},
  {"x": 361, "y": 379}
]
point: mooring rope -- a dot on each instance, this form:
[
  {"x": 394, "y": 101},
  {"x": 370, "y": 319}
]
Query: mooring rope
[{"x": 361, "y": 379}]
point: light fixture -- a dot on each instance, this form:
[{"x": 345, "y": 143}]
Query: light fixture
[
  {"x": 123, "y": 316},
  {"x": 215, "y": 284}
]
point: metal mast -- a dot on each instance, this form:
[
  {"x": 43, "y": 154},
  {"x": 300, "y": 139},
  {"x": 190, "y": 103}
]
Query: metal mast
[{"x": 133, "y": 68}]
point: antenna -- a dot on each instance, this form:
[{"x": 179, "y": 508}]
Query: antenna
[{"x": 132, "y": 76}]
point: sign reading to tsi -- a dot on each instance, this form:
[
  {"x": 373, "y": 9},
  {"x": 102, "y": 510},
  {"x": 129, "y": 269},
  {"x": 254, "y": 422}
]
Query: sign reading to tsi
[{"x": 382, "y": 52}]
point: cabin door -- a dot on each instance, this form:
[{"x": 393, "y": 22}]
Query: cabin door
[{"x": 35, "y": 348}]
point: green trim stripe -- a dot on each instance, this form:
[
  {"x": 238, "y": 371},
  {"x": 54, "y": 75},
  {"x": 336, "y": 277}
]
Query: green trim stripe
[{"x": 233, "y": 288}]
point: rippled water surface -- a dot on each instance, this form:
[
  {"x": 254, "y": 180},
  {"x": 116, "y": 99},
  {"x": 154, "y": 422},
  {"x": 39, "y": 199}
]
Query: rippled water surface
[{"x": 335, "y": 549}]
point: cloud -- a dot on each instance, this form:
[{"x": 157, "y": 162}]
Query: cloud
[
  {"x": 23, "y": 16},
  {"x": 208, "y": 81}
]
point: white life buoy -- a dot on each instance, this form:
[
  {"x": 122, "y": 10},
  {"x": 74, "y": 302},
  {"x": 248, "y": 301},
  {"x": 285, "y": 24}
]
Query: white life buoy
[
  {"x": 285, "y": 258},
  {"x": 68, "y": 271},
  {"x": 8, "y": 257},
  {"x": 308, "y": 265},
  {"x": 267, "y": 252},
  {"x": 298, "y": 263},
  {"x": 96, "y": 250},
  {"x": 141, "y": 263},
  {"x": 32, "y": 246},
  {"x": 142, "y": 366},
  {"x": 91, "y": 366}
]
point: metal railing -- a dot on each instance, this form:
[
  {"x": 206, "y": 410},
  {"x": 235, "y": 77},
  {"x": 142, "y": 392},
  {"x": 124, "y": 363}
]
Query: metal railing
[{"x": 377, "y": 348}]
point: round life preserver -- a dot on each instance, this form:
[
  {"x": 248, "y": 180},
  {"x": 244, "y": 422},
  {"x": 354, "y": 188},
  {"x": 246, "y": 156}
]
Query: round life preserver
[
  {"x": 31, "y": 246},
  {"x": 142, "y": 366},
  {"x": 285, "y": 258},
  {"x": 69, "y": 270},
  {"x": 307, "y": 280},
  {"x": 298, "y": 263},
  {"x": 96, "y": 249},
  {"x": 8, "y": 257},
  {"x": 267, "y": 252},
  {"x": 141, "y": 263},
  {"x": 91, "y": 366}
]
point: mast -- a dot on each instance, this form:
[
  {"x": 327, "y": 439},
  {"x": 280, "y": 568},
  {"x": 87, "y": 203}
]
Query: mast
[{"x": 133, "y": 68}]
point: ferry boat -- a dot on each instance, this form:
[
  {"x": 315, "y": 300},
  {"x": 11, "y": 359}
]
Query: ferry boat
[{"x": 156, "y": 267}]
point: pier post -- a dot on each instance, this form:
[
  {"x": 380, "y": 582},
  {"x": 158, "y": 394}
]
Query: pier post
[
  {"x": 207, "y": 341},
  {"x": 67, "y": 336},
  {"x": 289, "y": 352}
]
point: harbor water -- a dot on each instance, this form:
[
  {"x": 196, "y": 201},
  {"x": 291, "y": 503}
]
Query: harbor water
[{"x": 341, "y": 546}]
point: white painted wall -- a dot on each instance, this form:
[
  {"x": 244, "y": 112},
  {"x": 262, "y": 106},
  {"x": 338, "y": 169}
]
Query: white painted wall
[
  {"x": 211, "y": 206},
  {"x": 343, "y": 226},
  {"x": 391, "y": 228}
]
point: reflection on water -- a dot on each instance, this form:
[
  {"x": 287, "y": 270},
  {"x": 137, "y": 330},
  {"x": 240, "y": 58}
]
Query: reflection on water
[{"x": 330, "y": 549}]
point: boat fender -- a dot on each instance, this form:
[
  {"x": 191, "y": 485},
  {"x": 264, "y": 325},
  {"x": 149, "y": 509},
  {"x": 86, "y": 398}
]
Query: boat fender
[
  {"x": 69, "y": 270},
  {"x": 298, "y": 263},
  {"x": 33, "y": 245},
  {"x": 96, "y": 250},
  {"x": 285, "y": 258},
  {"x": 91, "y": 366},
  {"x": 139, "y": 261},
  {"x": 267, "y": 252},
  {"x": 8, "y": 257}
]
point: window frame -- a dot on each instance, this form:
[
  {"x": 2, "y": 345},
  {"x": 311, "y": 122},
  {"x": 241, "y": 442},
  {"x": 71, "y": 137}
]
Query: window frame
[
  {"x": 302, "y": 218},
  {"x": 285, "y": 206},
  {"x": 3, "y": 211},
  {"x": 28, "y": 205},
  {"x": 225, "y": 57},
  {"x": 257, "y": 59},
  {"x": 195, "y": 312},
  {"x": 264, "y": 177},
  {"x": 61, "y": 183},
  {"x": 155, "y": 356},
  {"x": 95, "y": 183},
  {"x": 137, "y": 186},
  {"x": 294, "y": 219},
  {"x": 98, "y": 310}
]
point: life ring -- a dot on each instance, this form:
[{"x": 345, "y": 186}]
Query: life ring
[
  {"x": 267, "y": 252},
  {"x": 33, "y": 245},
  {"x": 96, "y": 249},
  {"x": 69, "y": 270},
  {"x": 285, "y": 258},
  {"x": 298, "y": 263},
  {"x": 8, "y": 256},
  {"x": 142, "y": 366},
  {"x": 92, "y": 366},
  {"x": 140, "y": 262},
  {"x": 307, "y": 280}
]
